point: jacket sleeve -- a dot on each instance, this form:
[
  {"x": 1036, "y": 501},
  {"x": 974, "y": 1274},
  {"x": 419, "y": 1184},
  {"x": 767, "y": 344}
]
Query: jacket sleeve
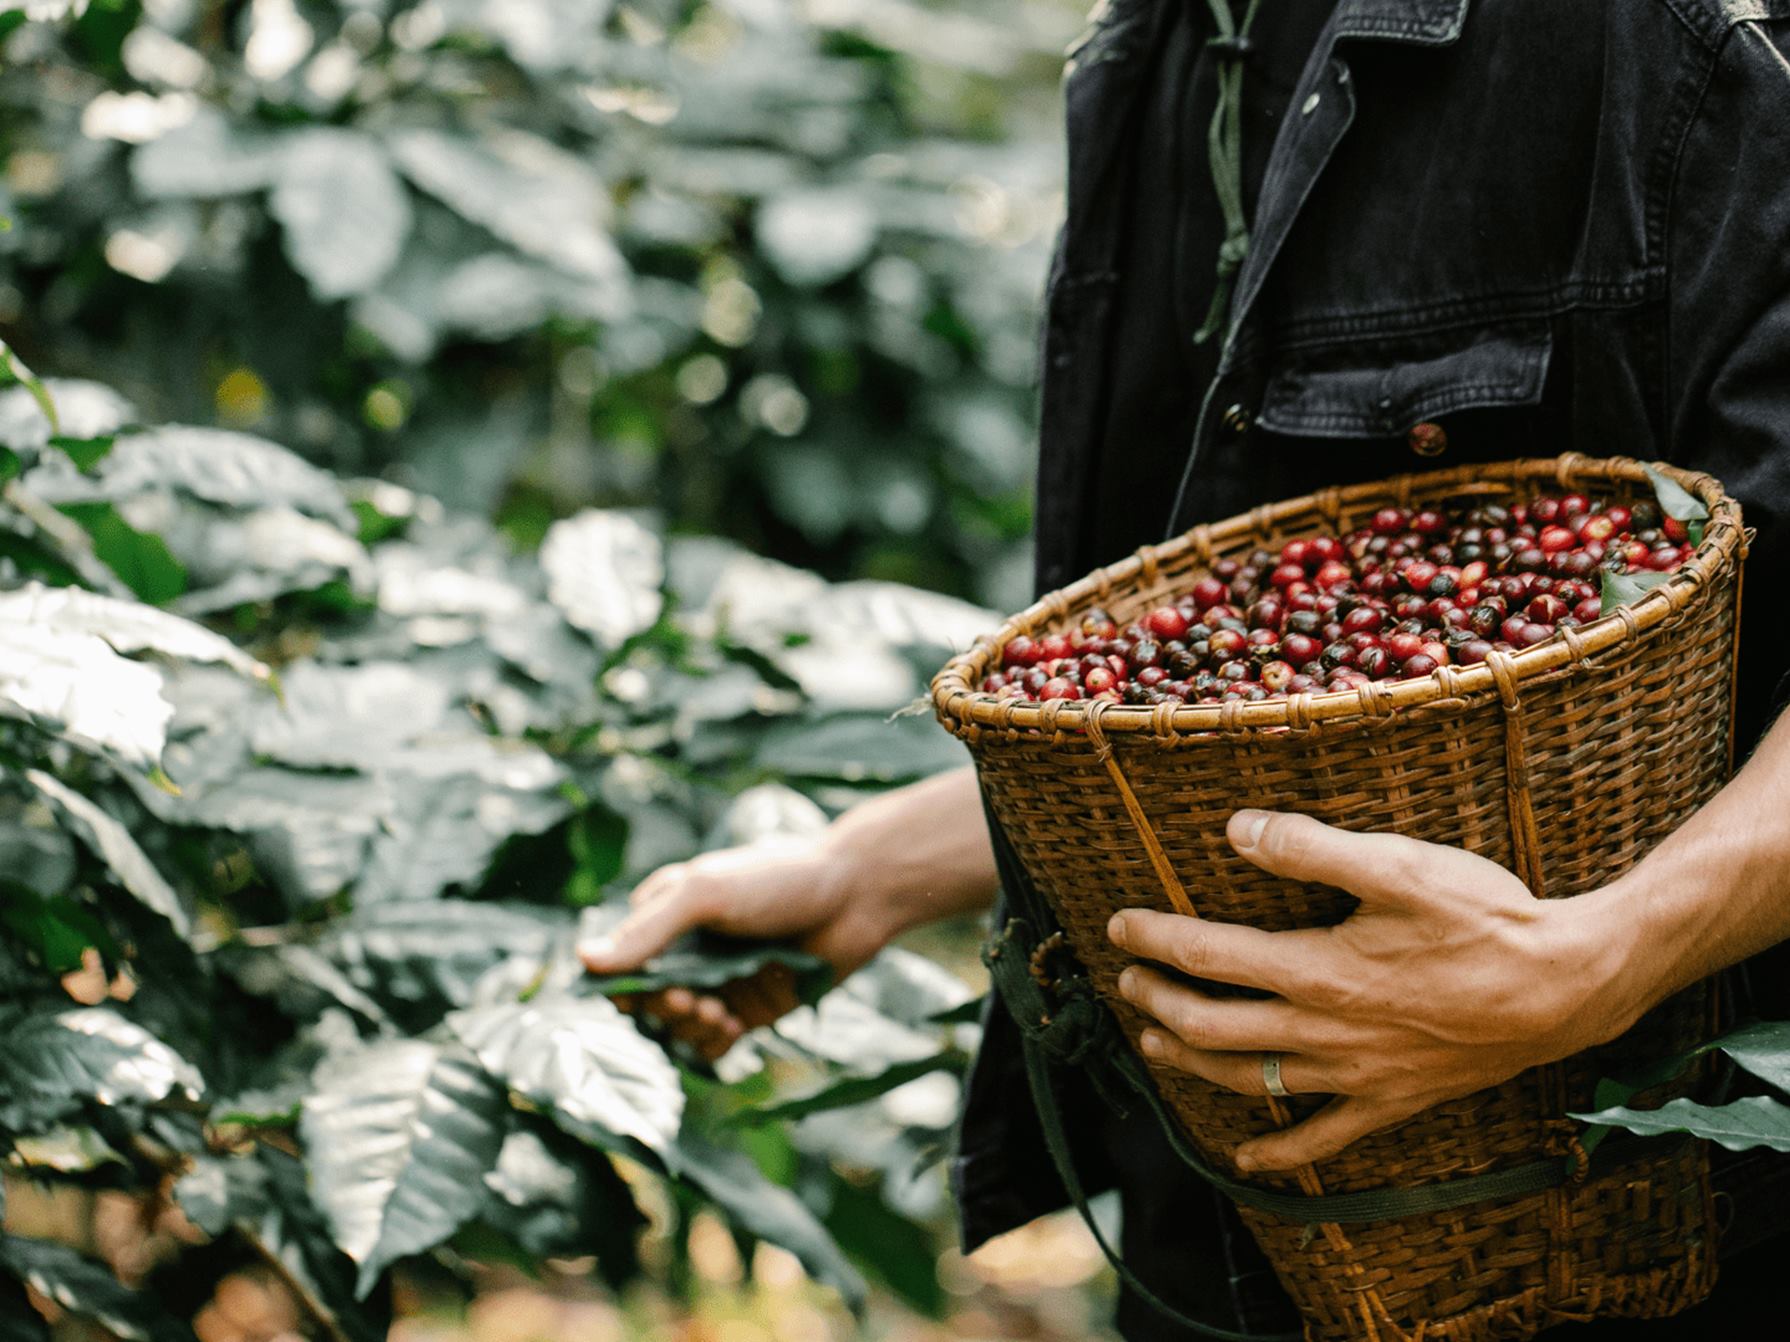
[{"x": 1728, "y": 344}]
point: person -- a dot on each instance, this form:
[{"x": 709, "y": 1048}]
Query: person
[{"x": 1304, "y": 241}]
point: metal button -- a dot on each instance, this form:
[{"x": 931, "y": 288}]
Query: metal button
[
  {"x": 1309, "y": 106},
  {"x": 1427, "y": 439},
  {"x": 1237, "y": 421}
]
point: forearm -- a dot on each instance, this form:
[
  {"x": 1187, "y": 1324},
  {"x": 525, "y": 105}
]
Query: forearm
[
  {"x": 923, "y": 851},
  {"x": 1718, "y": 890}
]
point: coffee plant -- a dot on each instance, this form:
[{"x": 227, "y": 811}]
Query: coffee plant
[
  {"x": 769, "y": 269},
  {"x": 308, "y": 788}
]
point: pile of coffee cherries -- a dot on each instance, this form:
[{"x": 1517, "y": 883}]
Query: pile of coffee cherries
[{"x": 1396, "y": 599}]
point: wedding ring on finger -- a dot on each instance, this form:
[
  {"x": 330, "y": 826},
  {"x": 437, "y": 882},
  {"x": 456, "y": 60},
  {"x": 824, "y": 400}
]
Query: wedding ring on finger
[{"x": 1271, "y": 1076}]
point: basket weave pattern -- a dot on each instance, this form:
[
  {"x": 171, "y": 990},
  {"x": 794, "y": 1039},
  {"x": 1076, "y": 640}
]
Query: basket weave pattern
[{"x": 1564, "y": 763}]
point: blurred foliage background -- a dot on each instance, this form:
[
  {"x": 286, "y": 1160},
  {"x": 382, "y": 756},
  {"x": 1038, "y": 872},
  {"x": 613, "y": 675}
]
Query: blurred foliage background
[
  {"x": 770, "y": 267},
  {"x": 763, "y": 270}
]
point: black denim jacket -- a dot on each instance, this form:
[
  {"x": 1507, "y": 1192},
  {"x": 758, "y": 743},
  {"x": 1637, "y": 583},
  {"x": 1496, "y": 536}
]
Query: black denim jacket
[{"x": 1541, "y": 224}]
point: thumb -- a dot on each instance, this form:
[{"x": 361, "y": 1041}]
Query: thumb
[{"x": 644, "y": 933}]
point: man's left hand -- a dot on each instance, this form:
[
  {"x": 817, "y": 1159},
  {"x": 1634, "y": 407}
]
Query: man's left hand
[{"x": 1449, "y": 978}]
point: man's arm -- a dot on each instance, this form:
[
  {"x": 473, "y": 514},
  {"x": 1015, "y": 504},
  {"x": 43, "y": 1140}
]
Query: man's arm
[
  {"x": 1451, "y": 977},
  {"x": 912, "y": 856}
]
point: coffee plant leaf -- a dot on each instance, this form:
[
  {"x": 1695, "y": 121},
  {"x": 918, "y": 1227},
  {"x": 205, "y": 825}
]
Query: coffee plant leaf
[
  {"x": 398, "y": 1137},
  {"x": 217, "y": 466},
  {"x": 908, "y": 988},
  {"x": 343, "y": 211},
  {"x": 274, "y": 1208},
  {"x": 55, "y": 1060},
  {"x": 846, "y": 1031},
  {"x": 860, "y": 748},
  {"x": 1624, "y": 589},
  {"x": 75, "y": 684},
  {"x": 547, "y": 35},
  {"x": 128, "y": 626},
  {"x": 816, "y": 236},
  {"x": 584, "y": 1063},
  {"x": 428, "y": 957},
  {"x": 754, "y": 1204},
  {"x": 554, "y": 1196},
  {"x": 701, "y": 960},
  {"x": 850, "y": 1091},
  {"x": 206, "y": 158},
  {"x": 88, "y": 1289},
  {"x": 1752, "y": 1121},
  {"x": 113, "y": 845},
  {"x": 1763, "y": 1049},
  {"x": 544, "y": 202},
  {"x": 604, "y": 571},
  {"x": 1675, "y": 500},
  {"x": 85, "y": 412}
]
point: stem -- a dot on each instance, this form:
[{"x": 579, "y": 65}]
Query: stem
[
  {"x": 73, "y": 545},
  {"x": 317, "y": 1309}
]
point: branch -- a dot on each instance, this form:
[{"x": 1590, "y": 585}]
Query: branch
[{"x": 306, "y": 1297}]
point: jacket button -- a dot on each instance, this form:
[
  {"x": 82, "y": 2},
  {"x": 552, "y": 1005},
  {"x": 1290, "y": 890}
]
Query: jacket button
[
  {"x": 1428, "y": 440},
  {"x": 1237, "y": 421}
]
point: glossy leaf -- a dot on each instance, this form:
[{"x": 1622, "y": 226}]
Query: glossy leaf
[
  {"x": 604, "y": 571},
  {"x": 112, "y": 843},
  {"x": 87, "y": 1288},
  {"x": 584, "y": 1063},
  {"x": 55, "y": 1060},
  {"x": 1752, "y": 1121},
  {"x": 1624, "y": 589},
  {"x": 127, "y": 626},
  {"x": 855, "y": 1090},
  {"x": 343, "y": 211},
  {"x": 398, "y": 1137}
]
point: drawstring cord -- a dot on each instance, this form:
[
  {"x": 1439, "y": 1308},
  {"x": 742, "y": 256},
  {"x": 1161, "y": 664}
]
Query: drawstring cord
[{"x": 1224, "y": 150}]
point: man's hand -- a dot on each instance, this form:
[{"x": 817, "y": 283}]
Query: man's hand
[
  {"x": 791, "y": 890},
  {"x": 911, "y": 856},
  {"x": 1449, "y": 978}
]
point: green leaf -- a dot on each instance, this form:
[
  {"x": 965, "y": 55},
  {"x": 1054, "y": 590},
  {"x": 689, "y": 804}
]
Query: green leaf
[
  {"x": 273, "y": 1206},
  {"x": 860, "y": 748},
  {"x": 142, "y": 560},
  {"x": 604, "y": 571},
  {"x": 1675, "y": 500},
  {"x": 111, "y": 842},
  {"x": 398, "y": 1136},
  {"x": 126, "y": 626},
  {"x": 344, "y": 213},
  {"x": 1624, "y": 589},
  {"x": 86, "y": 453},
  {"x": 554, "y": 1197},
  {"x": 701, "y": 960},
  {"x": 1746, "y": 1123},
  {"x": 584, "y": 1063},
  {"x": 754, "y": 1204},
  {"x": 898, "y": 1252},
  {"x": 1762, "y": 1049},
  {"x": 87, "y": 1288},
  {"x": 54, "y": 1060},
  {"x": 57, "y": 930},
  {"x": 854, "y": 1090}
]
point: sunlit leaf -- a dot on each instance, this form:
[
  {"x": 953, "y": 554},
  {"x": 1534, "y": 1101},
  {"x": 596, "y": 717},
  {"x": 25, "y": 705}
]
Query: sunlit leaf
[
  {"x": 112, "y": 843},
  {"x": 583, "y": 1062},
  {"x": 344, "y": 212},
  {"x": 54, "y": 1060},
  {"x": 85, "y": 1287},
  {"x": 604, "y": 571},
  {"x": 1752, "y": 1121},
  {"x": 398, "y": 1137}
]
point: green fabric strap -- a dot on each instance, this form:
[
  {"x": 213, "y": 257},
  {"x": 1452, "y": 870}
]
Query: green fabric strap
[
  {"x": 1224, "y": 152},
  {"x": 1062, "y": 1023}
]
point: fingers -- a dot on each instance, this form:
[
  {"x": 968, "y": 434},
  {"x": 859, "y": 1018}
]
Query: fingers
[
  {"x": 702, "y": 1022},
  {"x": 1336, "y": 1126},
  {"x": 652, "y": 924},
  {"x": 1241, "y": 1072},
  {"x": 1295, "y": 965},
  {"x": 1228, "y": 1025},
  {"x": 763, "y": 997},
  {"x": 1387, "y": 868}
]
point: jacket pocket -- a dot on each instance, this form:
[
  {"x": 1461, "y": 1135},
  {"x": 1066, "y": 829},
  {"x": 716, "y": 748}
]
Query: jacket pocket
[{"x": 1366, "y": 391}]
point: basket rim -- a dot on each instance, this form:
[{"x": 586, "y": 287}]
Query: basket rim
[{"x": 966, "y": 710}]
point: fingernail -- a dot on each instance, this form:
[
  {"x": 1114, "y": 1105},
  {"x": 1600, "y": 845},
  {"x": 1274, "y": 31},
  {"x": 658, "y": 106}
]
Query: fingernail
[
  {"x": 1128, "y": 983},
  {"x": 601, "y": 949},
  {"x": 1151, "y": 1044},
  {"x": 1115, "y": 929},
  {"x": 1245, "y": 1162},
  {"x": 1249, "y": 833}
]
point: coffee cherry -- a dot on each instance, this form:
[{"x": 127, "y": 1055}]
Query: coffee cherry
[
  {"x": 1418, "y": 664},
  {"x": 1546, "y": 609},
  {"x": 1532, "y": 633},
  {"x": 1151, "y": 676},
  {"x": 1021, "y": 651},
  {"x": 1277, "y": 675},
  {"x": 1145, "y": 654},
  {"x": 1591, "y": 608},
  {"x": 1338, "y": 654},
  {"x": 1332, "y": 575},
  {"x": 1364, "y": 619},
  {"x": 1300, "y": 648},
  {"x": 1555, "y": 539},
  {"x": 1059, "y": 687},
  {"x": 1208, "y": 592},
  {"x": 1374, "y": 662},
  {"x": 1387, "y": 521},
  {"x": 1098, "y": 680},
  {"x": 1472, "y": 652},
  {"x": 1166, "y": 622},
  {"x": 1664, "y": 559}
]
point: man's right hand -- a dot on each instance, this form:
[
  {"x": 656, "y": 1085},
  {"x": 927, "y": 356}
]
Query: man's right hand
[{"x": 908, "y": 857}]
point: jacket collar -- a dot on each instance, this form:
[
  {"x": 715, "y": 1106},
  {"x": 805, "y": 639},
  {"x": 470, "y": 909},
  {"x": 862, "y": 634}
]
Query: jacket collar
[{"x": 1432, "y": 23}]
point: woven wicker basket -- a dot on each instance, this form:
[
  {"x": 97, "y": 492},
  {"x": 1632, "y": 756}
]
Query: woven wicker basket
[{"x": 1565, "y": 763}]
